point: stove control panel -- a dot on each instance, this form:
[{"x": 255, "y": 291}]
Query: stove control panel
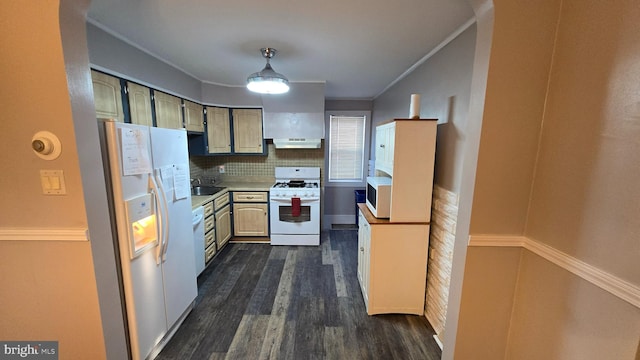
[{"x": 289, "y": 193}]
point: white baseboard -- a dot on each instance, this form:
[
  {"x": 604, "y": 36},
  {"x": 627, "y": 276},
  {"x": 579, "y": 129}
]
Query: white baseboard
[
  {"x": 621, "y": 288},
  {"x": 329, "y": 220},
  {"x": 43, "y": 234},
  {"x": 435, "y": 337}
]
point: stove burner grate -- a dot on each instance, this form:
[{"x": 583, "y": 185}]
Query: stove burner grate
[{"x": 296, "y": 184}]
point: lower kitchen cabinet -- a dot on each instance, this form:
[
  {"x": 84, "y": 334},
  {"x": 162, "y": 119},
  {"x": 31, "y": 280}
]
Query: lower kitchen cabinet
[
  {"x": 223, "y": 225},
  {"x": 250, "y": 213},
  {"x": 217, "y": 225},
  {"x": 392, "y": 265},
  {"x": 364, "y": 244},
  {"x": 209, "y": 233}
]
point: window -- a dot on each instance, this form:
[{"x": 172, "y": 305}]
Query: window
[{"x": 346, "y": 148}]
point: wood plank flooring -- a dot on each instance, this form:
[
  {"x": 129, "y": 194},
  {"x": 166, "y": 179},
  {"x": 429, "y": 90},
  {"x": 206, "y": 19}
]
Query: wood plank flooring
[{"x": 256, "y": 301}]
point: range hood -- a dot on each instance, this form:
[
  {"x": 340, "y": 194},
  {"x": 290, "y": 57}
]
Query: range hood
[
  {"x": 295, "y": 120},
  {"x": 297, "y": 143}
]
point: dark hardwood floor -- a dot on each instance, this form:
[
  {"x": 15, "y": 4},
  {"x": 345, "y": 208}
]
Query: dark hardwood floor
[{"x": 256, "y": 301}]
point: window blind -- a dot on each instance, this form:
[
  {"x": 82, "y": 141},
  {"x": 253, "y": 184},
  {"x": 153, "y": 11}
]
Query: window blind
[{"x": 346, "y": 148}]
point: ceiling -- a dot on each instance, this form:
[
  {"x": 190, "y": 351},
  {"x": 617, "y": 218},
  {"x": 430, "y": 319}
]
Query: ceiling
[{"x": 357, "y": 47}]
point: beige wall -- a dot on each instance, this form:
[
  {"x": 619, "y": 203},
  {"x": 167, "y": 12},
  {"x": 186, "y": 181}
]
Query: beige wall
[
  {"x": 487, "y": 300},
  {"x": 559, "y": 316},
  {"x": 521, "y": 49},
  {"x": 48, "y": 287},
  {"x": 586, "y": 193},
  {"x": 558, "y": 163},
  {"x": 35, "y": 97},
  {"x": 586, "y": 188},
  {"x": 523, "y": 37}
]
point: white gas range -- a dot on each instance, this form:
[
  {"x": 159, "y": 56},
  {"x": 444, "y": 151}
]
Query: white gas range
[{"x": 294, "y": 206}]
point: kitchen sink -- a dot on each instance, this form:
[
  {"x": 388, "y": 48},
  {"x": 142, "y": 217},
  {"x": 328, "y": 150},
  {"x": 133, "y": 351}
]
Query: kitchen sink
[{"x": 206, "y": 190}]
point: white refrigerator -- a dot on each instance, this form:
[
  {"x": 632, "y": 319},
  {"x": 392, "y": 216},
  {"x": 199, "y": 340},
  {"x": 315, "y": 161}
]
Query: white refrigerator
[{"x": 151, "y": 210}]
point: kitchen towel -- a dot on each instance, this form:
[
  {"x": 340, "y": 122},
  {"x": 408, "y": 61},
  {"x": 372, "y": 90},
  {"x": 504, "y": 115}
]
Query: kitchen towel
[{"x": 295, "y": 206}]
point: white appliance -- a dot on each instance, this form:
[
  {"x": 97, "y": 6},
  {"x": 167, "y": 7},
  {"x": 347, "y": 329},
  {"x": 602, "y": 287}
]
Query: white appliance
[
  {"x": 379, "y": 196},
  {"x": 197, "y": 222},
  {"x": 294, "y": 206},
  {"x": 151, "y": 207}
]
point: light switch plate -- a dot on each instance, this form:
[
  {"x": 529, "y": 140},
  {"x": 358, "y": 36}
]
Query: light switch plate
[{"x": 52, "y": 182}]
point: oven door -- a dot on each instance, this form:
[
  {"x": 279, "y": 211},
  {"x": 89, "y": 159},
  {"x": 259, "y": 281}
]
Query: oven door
[{"x": 283, "y": 220}]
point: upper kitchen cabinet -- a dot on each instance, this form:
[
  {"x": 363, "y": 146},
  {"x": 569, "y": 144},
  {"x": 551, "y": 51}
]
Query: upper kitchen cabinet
[
  {"x": 229, "y": 132},
  {"x": 385, "y": 144},
  {"x": 107, "y": 93},
  {"x": 193, "y": 116},
  {"x": 218, "y": 130},
  {"x": 168, "y": 110},
  {"x": 247, "y": 131},
  {"x": 139, "y": 104},
  {"x": 408, "y": 156}
]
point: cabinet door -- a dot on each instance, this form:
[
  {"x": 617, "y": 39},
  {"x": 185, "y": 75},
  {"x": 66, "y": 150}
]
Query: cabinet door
[
  {"x": 218, "y": 130},
  {"x": 107, "y": 96},
  {"x": 247, "y": 131},
  {"x": 361, "y": 230},
  {"x": 223, "y": 226},
  {"x": 391, "y": 145},
  {"x": 364, "y": 255},
  {"x": 250, "y": 220},
  {"x": 168, "y": 111},
  {"x": 140, "y": 104},
  {"x": 381, "y": 140},
  {"x": 385, "y": 142},
  {"x": 193, "y": 116}
]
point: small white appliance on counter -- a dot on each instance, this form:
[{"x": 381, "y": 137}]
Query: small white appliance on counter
[
  {"x": 149, "y": 193},
  {"x": 379, "y": 196},
  {"x": 294, "y": 206}
]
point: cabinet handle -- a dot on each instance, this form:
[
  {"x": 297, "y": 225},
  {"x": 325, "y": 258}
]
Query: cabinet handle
[
  {"x": 381, "y": 145},
  {"x": 362, "y": 249}
]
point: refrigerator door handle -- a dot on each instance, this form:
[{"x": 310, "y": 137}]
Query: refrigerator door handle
[
  {"x": 159, "y": 215},
  {"x": 165, "y": 215}
]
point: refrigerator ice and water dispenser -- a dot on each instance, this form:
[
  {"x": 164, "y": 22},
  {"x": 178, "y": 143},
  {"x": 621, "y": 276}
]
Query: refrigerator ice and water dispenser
[{"x": 141, "y": 218}]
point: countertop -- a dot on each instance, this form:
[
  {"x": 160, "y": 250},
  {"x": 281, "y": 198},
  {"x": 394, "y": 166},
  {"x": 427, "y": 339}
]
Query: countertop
[
  {"x": 372, "y": 220},
  {"x": 198, "y": 200}
]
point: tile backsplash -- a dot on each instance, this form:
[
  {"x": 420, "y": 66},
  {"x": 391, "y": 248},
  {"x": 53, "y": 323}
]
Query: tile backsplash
[{"x": 256, "y": 165}]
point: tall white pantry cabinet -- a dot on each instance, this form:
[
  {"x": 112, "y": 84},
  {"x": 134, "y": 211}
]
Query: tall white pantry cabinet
[{"x": 393, "y": 252}]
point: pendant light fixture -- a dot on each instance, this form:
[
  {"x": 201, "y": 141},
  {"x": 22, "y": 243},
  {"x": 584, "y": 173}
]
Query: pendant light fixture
[{"x": 267, "y": 81}]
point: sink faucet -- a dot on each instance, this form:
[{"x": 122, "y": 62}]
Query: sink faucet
[{"x": 196, "y": 181}]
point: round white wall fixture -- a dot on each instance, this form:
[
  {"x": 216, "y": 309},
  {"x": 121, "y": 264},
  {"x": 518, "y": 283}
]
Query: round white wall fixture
[{"x": 46, "y": 145}]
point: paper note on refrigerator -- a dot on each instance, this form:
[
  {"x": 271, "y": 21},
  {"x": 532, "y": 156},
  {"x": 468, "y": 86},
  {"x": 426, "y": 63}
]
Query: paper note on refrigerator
[
  {"x": 181, "y": 185},
  {"x": 166, "y": 175},
  {"x": 135, "y": 152}
]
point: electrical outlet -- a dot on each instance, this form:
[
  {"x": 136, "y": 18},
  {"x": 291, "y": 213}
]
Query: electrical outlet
[{"x": 221, "y": 169}]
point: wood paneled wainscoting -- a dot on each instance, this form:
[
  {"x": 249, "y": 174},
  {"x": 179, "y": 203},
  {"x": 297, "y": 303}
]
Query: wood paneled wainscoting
[{"x": 444, "y": 214}]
